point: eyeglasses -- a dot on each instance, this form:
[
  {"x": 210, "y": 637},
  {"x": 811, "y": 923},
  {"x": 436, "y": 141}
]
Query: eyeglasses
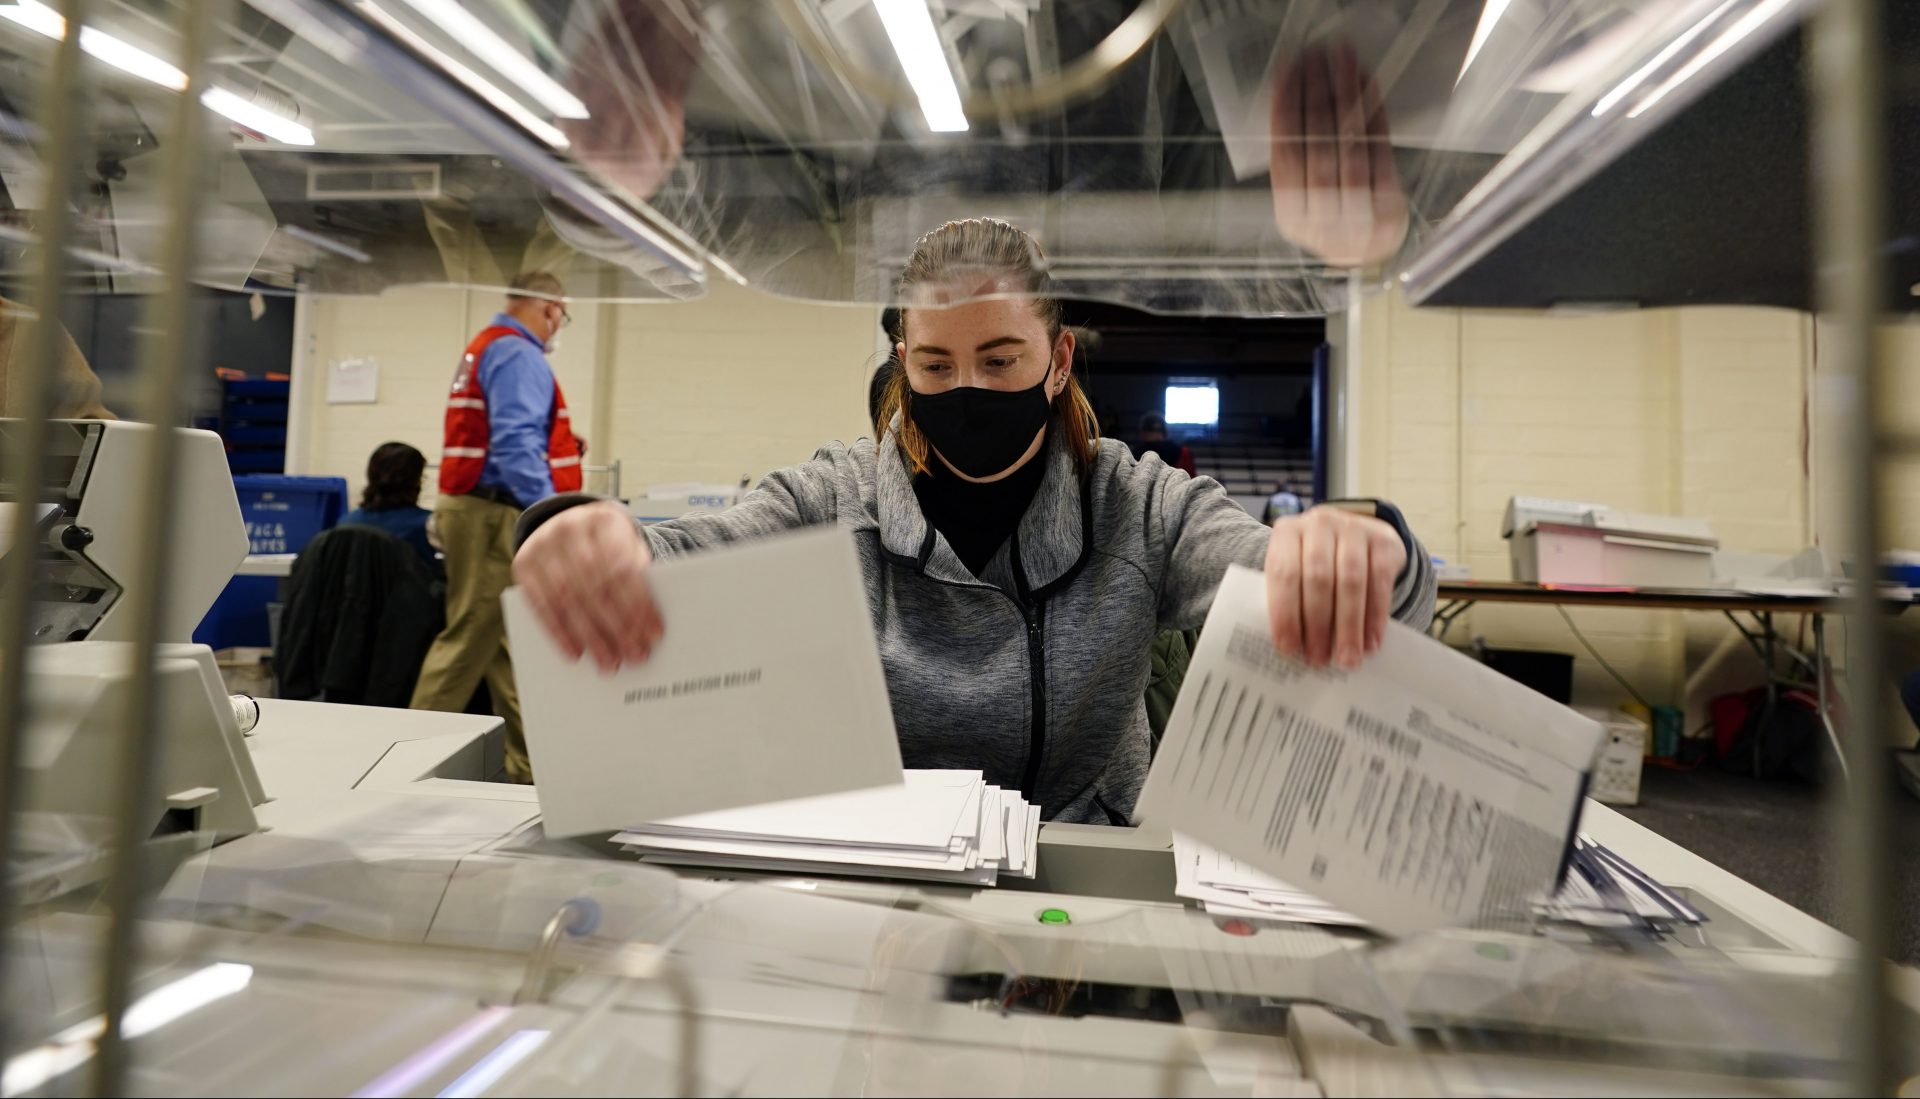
[{"x": 566, "y": 318}]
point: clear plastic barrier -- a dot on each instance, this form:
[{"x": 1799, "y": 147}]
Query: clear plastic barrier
[
  {"x": 388, "y": 925},
  {"x": 536, "y": 973},
  {"x": 1205, "y": 156}
]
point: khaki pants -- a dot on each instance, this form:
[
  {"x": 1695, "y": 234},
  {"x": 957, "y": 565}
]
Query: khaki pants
[{"x": 477, "y": 537}]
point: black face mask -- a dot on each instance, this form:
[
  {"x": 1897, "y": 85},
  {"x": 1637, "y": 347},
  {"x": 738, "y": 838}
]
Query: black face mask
[{"x": 981, "y": 432}]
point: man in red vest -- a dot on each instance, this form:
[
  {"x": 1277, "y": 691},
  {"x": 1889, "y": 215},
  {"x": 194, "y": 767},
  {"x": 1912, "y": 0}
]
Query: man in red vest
[{"x": 509, "y": 443}]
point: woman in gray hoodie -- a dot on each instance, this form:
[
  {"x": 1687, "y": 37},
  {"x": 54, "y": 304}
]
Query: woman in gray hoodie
[{"x": 1017, "y": 566}]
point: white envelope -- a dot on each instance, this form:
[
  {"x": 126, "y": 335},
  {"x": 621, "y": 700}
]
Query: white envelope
[
  {"x": 927, "y": 811},
  {"x": 765, "y": 686}
]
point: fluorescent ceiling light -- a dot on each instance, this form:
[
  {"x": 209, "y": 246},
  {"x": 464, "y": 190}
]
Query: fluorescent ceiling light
[
  {"x": 135, "y": 61},
  {"x": 489, "y": 1069},
  {"x": 410, "y": 1073},
  {"x": 256, "y": 118},
  {"x": 728, "y": 269},
  {"x": 495, "y": 96},
  {"x": 122, "y": 55},
  {"x": 129, "y": 58},
  {"x": 1746, "y": 25},
  {"x": 1489, "y": 15},
  {"x": 36, "y": 17},
  {"x": 476, "y": 36},
  {"x": 326, "y": 243},
  {"x": 74, "y": 1046},
  {"x": 89, "y": 256},
  {"x": 910, "y": 28},
  {"x": 183, "y": 997},
  {"x": 1639, "y": 77}
]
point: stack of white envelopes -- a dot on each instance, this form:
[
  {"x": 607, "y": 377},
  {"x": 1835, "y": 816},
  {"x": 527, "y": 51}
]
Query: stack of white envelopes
[
  {"x": 1225, "y": 886},
  {"x": 1601, "y": 889},
  {"x": 945, "y": 826}
]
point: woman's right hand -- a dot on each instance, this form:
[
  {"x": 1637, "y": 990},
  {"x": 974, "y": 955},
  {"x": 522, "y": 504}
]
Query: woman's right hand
[{"x": 584, "y": 572}]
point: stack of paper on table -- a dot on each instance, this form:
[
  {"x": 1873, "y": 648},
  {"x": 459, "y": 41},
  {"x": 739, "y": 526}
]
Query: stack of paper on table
[
  {"x": 1601, "y": 890},
  {"x": 949, "y": 826},
  {"x": 1225, "y": 886}
]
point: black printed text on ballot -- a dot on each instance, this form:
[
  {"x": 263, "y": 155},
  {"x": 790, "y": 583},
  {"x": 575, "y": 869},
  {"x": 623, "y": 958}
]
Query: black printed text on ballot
[{"x": 1388, "y": 791}]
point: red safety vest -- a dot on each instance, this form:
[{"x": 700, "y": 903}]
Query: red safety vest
[{"x": 464, "y": 453}]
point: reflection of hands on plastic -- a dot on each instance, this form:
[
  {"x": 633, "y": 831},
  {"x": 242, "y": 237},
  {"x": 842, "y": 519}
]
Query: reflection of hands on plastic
[
  {"x": 632, "y": 72},
  {"x": 1336, "y": 191}
]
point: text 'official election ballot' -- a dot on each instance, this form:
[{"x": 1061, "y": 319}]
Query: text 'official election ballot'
[
  {"x": 766, "y": 685},
  {"x": 1422, "y": 790}
]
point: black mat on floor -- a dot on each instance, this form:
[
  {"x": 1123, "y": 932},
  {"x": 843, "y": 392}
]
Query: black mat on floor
[{"x": 1773, "y": 834}]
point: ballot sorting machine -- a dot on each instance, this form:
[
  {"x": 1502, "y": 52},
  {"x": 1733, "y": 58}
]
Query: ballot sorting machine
[{"x": 336, "y": 904}]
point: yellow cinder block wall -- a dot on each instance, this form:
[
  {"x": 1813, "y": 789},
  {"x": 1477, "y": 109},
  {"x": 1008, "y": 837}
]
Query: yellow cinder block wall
[{"x": 1716, "y": 413}]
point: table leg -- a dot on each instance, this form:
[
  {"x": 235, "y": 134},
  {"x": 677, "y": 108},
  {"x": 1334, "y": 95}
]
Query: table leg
[
  {"x": 1772, "y": 703},
  {"x": 1445, "y": 615},
  {"x": 1753, "y": 639},
  {"x": 1820, "y": 689}
]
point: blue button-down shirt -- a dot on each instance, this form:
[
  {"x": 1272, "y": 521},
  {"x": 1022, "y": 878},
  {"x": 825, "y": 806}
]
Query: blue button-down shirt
[{"x": 518, "y": 383}]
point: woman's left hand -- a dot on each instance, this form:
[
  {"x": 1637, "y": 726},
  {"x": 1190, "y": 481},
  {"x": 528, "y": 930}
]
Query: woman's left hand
[{"x": 1330, "y": 578}]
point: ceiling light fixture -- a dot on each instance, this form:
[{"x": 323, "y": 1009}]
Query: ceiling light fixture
[
  {"x": 134, "y": 61},
  {"x": 496, "y": 51},
  {"x": 910, "y": 28},
  {"x": 1489, "y": 15},
  {"x": 256, "y": 118},
  {"x": 496, "y": 96}
]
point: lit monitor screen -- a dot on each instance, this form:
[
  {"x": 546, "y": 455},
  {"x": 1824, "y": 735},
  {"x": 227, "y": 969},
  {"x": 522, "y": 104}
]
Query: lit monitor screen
[{"x": 1193, "y": 404}]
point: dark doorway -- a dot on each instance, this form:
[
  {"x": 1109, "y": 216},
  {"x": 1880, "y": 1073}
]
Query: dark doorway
[{"x": 1238, "y": 394}]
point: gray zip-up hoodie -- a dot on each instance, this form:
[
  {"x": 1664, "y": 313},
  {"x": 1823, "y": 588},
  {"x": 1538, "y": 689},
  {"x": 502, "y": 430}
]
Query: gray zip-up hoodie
[{"x": 1033, "y": 671}]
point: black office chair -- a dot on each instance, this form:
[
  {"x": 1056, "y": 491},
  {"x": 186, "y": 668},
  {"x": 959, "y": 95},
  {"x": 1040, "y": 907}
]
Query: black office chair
[{"x": 361, "y": 611}]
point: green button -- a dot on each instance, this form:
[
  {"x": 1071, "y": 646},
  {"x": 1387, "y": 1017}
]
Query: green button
[{"x": 1055, "y": 916}]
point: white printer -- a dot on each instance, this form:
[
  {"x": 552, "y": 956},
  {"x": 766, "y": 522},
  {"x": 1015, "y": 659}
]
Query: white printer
[{"x": 1568, "y": 542}]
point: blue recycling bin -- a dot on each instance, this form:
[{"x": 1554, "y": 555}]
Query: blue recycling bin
[{"x": 282, "y": 514}]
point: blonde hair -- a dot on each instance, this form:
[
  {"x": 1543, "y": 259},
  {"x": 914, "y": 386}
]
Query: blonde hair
[{"x": 988, "y": 248}]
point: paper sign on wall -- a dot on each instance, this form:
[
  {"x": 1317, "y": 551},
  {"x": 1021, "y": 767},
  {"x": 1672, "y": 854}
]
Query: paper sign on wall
[{"x": 353, "y": 381}]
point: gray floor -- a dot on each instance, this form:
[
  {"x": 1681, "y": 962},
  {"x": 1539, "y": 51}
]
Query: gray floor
[{"x": 1772, "y": 834}]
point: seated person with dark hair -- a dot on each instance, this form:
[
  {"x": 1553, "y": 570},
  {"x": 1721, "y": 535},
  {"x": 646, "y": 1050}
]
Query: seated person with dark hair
[
  {"x": 391, "y": 500},
  {"x": 1153, "y": 439}
]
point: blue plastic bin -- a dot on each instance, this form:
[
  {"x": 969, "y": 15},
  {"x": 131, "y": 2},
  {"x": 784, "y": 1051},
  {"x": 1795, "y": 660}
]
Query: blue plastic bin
[
  {"x": 1901, "y": 572},
  {"x": 283, "y": 514},
  {"x": 238, "y": 619}
]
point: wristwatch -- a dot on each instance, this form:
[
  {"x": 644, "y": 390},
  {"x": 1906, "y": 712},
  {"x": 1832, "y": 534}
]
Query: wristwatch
[{"x": 1383, "y": 511}]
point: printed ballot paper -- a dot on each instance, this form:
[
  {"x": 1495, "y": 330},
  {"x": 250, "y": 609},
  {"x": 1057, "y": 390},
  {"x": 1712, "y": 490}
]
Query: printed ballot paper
[
  {"x": 766, "y": 685},
  {"x": 1422, "y": 790}
]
